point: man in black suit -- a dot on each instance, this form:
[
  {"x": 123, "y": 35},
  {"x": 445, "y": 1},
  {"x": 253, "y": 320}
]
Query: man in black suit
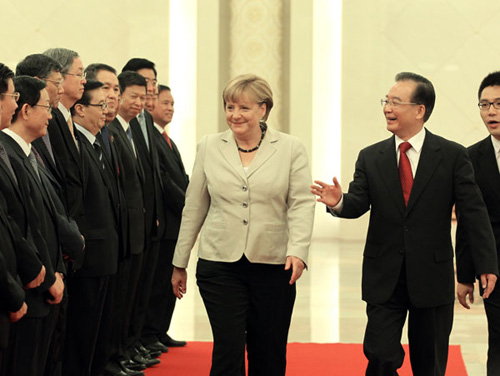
[
  {"x": 133, "y": 97},
  {"x": 48, "y": 70},
  {"x": 61, "y": 128},
  {"x": 155, "y": 221},
  {"x": 88, "y": 286},
  {"x": 174, "y": 183},
  {"x": 408, "y": 256},
  {"x": 28, "y": 123},
  {"x": 485, "y": 157}
]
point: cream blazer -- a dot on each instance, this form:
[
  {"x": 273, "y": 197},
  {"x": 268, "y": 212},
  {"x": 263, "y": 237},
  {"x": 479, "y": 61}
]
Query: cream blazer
[{"x": 266, "y": 213}]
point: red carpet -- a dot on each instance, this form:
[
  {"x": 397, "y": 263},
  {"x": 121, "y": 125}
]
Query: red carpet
[{"x": 330, "y": 359}]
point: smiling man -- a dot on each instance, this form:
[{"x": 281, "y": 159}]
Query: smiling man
[
  {"x": 410, "y": 183},
  {"x": 485, "y": 158}
]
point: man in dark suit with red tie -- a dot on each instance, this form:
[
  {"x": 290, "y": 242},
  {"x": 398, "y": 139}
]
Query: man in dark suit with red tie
[
  {"x": 485, "y": 157},
  {"x": 174, "y": 183},
  {"x": 408, "y": 257}
]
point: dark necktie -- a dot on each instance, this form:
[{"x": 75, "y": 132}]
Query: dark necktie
[
  {"x": 142, "y": 122},
  {"x": 165, "y": 136},
  {"x": 105, "y": 139},
  {"x": 405, "y": 174},
  {"x": 98, "y": 150},
  {"x": 129, "y": 135},
  {"x": 34, "y": 163}
]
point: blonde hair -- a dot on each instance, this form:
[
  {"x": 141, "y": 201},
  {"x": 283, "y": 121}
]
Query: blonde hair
[{"x": 251, "y": 85}]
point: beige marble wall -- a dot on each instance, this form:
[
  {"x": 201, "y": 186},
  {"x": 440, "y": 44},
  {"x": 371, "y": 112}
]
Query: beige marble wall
[
  {"x": 256, "y": 41},
  {"x": 450, "y": 42}
]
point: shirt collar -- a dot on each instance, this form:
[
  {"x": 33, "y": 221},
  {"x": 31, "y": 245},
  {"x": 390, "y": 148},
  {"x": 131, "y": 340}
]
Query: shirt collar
[
  {"x": 19, "y": 140},
  {"x": 64, "y": 111},
  {"x": 496, "y": 145},
  {"x": 89, "y": 136},
  {"x": 159, "y": 128},
  {"x": 416, "y": 141},
  {"x": 123, "y": 123}
]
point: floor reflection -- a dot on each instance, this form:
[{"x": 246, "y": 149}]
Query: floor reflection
[{"x": 329, "y": 306}]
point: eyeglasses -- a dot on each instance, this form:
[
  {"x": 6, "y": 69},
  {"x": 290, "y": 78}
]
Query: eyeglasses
[
  {"x": 102, "y": 105},
  {"x": 485, "y": 106},
  {"x": 49, "y": 109},
  {"x": 394, "y": 103},
  {"x": 81, "y": 76},
  {"x": 57, "y": 83},
  {"x": 15, "y": 95}
]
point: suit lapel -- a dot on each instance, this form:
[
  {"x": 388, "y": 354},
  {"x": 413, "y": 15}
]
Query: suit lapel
[
  {"x": 388, "y": 169},
  {"x": 229, "y": 151},
  {"x": 266, "y": 149},
  {"x": 430, "y": 157},
  {"x": 489, "y": 166}
]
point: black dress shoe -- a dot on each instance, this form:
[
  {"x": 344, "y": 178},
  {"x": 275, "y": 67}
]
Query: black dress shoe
[
  {"x": 146, "y": 360},
  {"x": 131, "y": 372},
  {"x": 132, "y": 365},
  {"x": 170, "y": 342},
  {"x": 113, "y": 369},
  {"x": 147, "y": 352},
  {"x": 157, "y": 346}
]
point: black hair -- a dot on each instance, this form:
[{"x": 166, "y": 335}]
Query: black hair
[{"x": 424, "y": 92}]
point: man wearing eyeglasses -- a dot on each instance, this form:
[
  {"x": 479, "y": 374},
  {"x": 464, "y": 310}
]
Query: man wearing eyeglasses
[
  {"x": 410, "y": 183},
  {"x": 485, "y": 157},
  {"x": 89, "y": 284},
  {"x": 48, "y": 70},
  {"x": 65, "y": 144}
]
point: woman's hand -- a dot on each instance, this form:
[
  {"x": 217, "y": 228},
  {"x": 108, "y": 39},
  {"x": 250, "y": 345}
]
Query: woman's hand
[
  {"x": 179, "y": 281},
  {"x": 297, "y": 266}
]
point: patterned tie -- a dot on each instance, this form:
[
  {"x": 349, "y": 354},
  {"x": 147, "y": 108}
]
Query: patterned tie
[
  {"x": 72, "y": 131},
  {"x": 165, "y": 136},
  {"x": 98, "y": 150},
  {"x": 129, "y": 135},
  {"x": 105, "y": 139},
  {"x": 33, "y": 162},
  {"x": 142, "y": 122},
  {"x": 405, "y": 174}
]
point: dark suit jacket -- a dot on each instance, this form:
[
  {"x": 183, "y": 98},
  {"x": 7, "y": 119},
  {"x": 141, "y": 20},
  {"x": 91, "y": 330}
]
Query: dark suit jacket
[
  {"x": 99, "y": 224},
  {"x": 22, "y": 216},
  {"x": 174, "y": 183},
  {"x": 153, "y": 198},
  {"x": 53, "y": 165},
  {"x": 112, "y": 162},
  {"x": 131, "y": 179},
  {"x": 68, "y": 155},
  {"x": 417, "y": 235},
  {"x": 482, "y": 155},
  {"x": 51, "y": 256},
  {"x": 11, "y": 292}
]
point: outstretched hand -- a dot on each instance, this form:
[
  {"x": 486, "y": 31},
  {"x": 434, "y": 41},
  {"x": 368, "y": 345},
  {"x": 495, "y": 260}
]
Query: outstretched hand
[{"x": 329, "y": 195}]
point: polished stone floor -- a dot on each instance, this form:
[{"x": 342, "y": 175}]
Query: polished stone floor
[{"x": 329, "y": 306}]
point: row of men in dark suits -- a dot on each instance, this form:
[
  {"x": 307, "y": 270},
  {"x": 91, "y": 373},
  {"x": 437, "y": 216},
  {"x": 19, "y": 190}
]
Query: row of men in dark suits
[
  {"x": 410, "y": 182},
  {"x": 91, "y": 193}
]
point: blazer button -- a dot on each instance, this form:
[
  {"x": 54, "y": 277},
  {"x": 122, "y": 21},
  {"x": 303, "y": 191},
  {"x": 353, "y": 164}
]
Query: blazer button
[
  {"x": 245, "y": 204},
  {"x": 245, "y": 188},
  {"x": 245, "y": 222}
]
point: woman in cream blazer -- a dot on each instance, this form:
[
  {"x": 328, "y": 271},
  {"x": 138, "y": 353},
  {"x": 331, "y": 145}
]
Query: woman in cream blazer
[{"x": 249, "y": 196}]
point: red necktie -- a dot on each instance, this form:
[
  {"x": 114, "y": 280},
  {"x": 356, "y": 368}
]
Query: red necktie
[
  {"x": 165, "y": 136},
  {"x": 405, "y": 174}
]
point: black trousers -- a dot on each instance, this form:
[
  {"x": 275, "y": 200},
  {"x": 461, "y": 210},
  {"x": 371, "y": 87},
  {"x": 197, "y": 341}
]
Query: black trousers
[
  {"x": 86, "y": 302},
  {"x": 162, "y": 300},
  {"x": 492, "y": 308},
  {"x": 141, "y": 300},
  {"x": 428, "y": 335},
  {"x": 247, "y": 304},
  {"x": 29, "y": 345}
]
